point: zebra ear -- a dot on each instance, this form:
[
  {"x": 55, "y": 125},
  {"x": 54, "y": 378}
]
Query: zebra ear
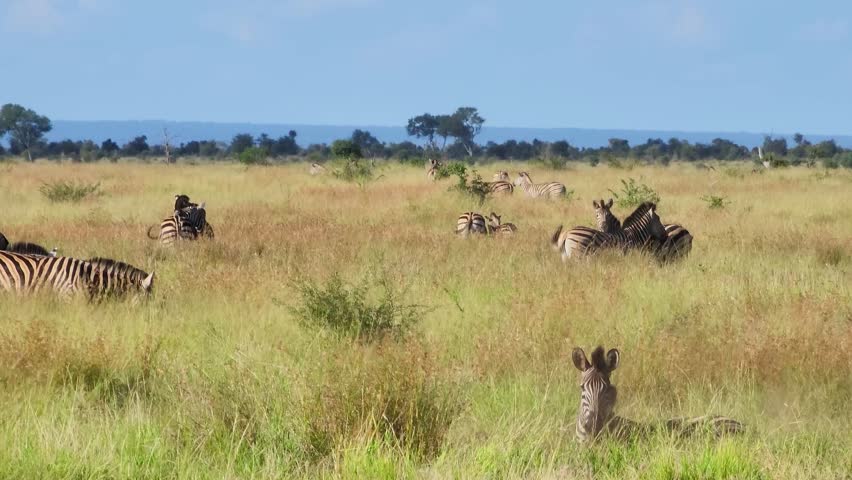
[
  {"x": 596, "y": 204},
  {"x": 148, "y": 282},
  {"x": 580, "y": 360},
  {"x": 612, "y": 358},
  {"x": 609, "y": 203}
]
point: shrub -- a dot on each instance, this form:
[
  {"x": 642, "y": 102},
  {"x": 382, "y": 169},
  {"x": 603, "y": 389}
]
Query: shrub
[
  {"x": 253, "y": 156},
  {"x": 356, "y": 171},
  {"x": 348, "y": 311},
  {"x": 70, "y": 191},
  {"x": 715, "y": 202},
  {"x": 474, "y": 187},
  {"x": 346, "y": 149},
  {"x": 633, "y": 194}
]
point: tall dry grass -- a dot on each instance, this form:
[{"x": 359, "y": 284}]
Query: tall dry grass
[{"x": 215, "y": 378}]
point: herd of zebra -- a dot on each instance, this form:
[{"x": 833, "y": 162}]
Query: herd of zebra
[
  {"x": 29, "y": 268},
  {"x": 642, "y": 230}
]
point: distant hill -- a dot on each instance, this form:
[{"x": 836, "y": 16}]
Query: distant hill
[{"x": 123, "y": 131}]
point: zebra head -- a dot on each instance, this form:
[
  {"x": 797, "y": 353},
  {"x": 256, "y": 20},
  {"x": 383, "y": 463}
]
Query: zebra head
[
  {"x": 501, "y": 176},
  {"x": 494, "y": 219},
  {"x": 523, "y": 179},
  {"x": 645, "y": 223},
  {"x": 597, "y": 394},
  {"x": 607, "y": 222}
]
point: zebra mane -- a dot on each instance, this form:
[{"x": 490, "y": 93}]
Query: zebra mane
[
  {"x": 599, "y": 360},
  {"x": 26, "y": 248},
  {"x": 4, "y": 242},
  {"x": 104, "y": 263},
  {"x": 637, "y": 214}
]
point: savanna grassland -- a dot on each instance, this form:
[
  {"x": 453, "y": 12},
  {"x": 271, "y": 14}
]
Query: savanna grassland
[{"x": 216, "y": 376}]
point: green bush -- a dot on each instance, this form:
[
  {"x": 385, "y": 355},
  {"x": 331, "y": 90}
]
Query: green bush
[
  {"x": 633, "y": 194},
  {"x": 715, "y": 202},
  {"x": 253, "y": 156},
  {"x": 346, "y": 149},
  {"x": 469, "y": 182},
  {"x": 70, "y": 191},
  {"x": 355, "y": 170},
  {"x": 367, "y": 311}
]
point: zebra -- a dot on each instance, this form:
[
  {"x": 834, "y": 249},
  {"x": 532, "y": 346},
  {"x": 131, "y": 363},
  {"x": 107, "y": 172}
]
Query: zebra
[
  {"x": 66, "y": 276},
  {"x": 432, "y": 169},
  {"x": 317, "y": 169},
  {"x": 678, "y": 241},
  {"x": 501, "y": 184},
  {"x": 25, "y": 247},
  {"x": 174, "y": 228},
  {"x": 535, "y": 190},
  {"x": 596, "y": 415},
  {"x": 644, "y": 231},
  {"x": 496, "y": 227},
  {"x": 470, "y": 222}
]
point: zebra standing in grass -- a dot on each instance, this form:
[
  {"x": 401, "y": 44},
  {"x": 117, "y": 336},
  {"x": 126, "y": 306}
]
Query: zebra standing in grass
[
  {"x": 597, "y": 404},
  {"x": 496, "y": 227},
  {"x": 432, "y": 169},
  {"x": 535, "y": 190},
  {"x": 470, "y": 222},
  {"x": 501, "y": 184},
  {"x": 644, "y": 231},
  {"x": 678, "y": 241},
  {"x": 66, "y": 276}
]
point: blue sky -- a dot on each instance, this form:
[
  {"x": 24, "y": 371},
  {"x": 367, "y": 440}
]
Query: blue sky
[{"x": 722, "y": 65}]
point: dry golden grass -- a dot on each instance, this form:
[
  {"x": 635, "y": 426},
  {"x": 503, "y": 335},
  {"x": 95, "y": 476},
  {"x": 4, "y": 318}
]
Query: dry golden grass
[{"x": 215, "y": 378}]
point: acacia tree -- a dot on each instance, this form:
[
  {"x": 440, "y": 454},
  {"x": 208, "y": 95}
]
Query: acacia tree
[
  {"x": 463, "y": 125},
  {"x": 25, "y": 126}
]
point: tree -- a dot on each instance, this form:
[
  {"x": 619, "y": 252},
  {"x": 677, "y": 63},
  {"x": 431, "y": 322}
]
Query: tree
[
  {"x": 209, "y": 148},
  {"x": 346, "y": 149},
  {"x": 89, "y": 151},
  {"x": 777, "y": 146},
  {"x": 108, "y": 146},
  {"x": 798, "y": 138},
  {"x": 424, "y": 126},
  {"x": 241, "y": 142},
  {"x": 465, "y": 125},
  {"x": 286, "y": 145},
  {"x": 136, "y": 147},
  {"x": 370, "y": 146},
  {"x": 25, "y": 126},
  {"x": 619, "y": 146},
  {"x": 190, "y": 148}
]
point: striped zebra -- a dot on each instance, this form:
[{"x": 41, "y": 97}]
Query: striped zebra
[
  {"x": 173, "y": 229},
  {"x": 501, "y": 184},
  {"x": 496, "y": 227},
  {"x": 644, "y": 231},
  {"x": 317, "y": 169},
  {"x": 470, "y": 222},
  {"x": 598, "y": 395},
  {"x": 678, "y": 241},
  {"x": 66, "y": 276},
  {"x": 536, "y": 190}
]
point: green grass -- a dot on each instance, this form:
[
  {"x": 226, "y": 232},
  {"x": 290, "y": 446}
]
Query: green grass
[{"x": 217, "y": 377}]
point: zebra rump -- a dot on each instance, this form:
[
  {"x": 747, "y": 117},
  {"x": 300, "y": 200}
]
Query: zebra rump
[{"x": 470, "y": 222}]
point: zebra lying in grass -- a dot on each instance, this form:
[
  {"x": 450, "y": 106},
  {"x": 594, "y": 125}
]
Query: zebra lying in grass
[
  {"x": 317, "y": 169},
  {"x": 501, "y": 184},
  {"x": 536, "y": 190},
  {"x": 644, "y": 231},
  {"x": 597, "y": 417},
  {"x": 496, "y": 227},
  {"x": 97, "y": 277},
  {"x": 25, "y": 248},
  {"x": 678, "y": 241}
]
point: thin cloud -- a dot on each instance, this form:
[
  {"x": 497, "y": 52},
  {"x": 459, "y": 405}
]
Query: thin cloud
[
  {"x": 823, "y": 30},
  {"x": 32, "y": 16}
]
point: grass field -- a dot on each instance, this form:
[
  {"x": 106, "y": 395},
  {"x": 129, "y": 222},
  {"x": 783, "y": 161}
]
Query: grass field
[{"x": 215, "y": 377}]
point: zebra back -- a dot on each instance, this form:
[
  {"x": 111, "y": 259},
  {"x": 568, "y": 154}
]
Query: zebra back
[
  {"x": 64, "y": 275},
  {"x": 501, "y": 188},
  {"x": 536, "y": 190},
  {"x": 470, "y": 222}
]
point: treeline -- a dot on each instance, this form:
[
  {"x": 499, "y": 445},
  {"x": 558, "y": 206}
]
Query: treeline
[{"x": 25, "y": 130}]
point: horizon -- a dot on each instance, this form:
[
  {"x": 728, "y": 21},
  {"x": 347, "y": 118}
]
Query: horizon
[{"x": 658, "y": 65}]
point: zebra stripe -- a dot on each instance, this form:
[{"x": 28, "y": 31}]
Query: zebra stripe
[
  {"x": 678, "y": 241},
  {"x": 501, "y": 188},
  {"x": 644, "y": 232},
  {"x": 174, "y": 228},
  {"x": 496, "y": 227},
  {"x": 536, "y": 190},
  {"x": 432, "y": 169},
  {"x": 66, "y": 276},
  {"x": 598, "y": 396},
  {"x": 470, "y": 222}
]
